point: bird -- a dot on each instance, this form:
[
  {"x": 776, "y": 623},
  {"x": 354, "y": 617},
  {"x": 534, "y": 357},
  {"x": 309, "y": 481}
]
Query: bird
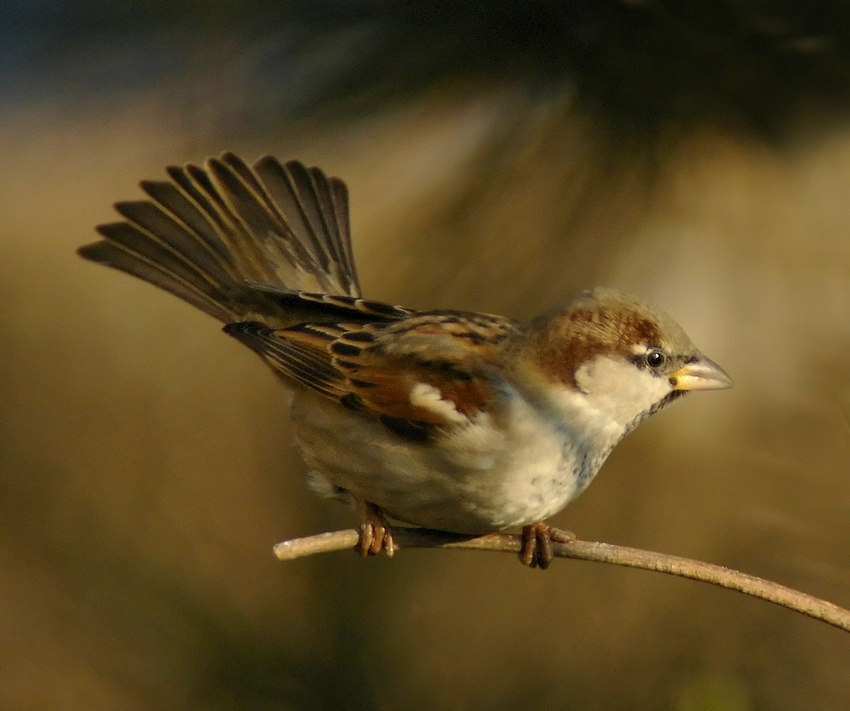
[{"x": 461, "y": 422}]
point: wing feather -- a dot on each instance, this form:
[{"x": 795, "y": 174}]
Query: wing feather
[{"x": 430, "y": 371}]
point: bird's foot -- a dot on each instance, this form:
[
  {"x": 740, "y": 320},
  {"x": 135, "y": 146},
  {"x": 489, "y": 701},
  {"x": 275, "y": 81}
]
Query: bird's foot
[
  {"x": 375, "y": 533},
  {"x": 537, "y": 544}
]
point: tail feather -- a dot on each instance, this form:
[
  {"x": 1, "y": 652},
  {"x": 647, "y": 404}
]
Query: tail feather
[
  {"x": 327, "y": 215},
  {"x": 210, "y": 232},
  {"x": 157, "y": 266}
]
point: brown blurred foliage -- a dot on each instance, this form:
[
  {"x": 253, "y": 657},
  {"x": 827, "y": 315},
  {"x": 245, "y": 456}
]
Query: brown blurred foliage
[{"x": 146, "y": 465}]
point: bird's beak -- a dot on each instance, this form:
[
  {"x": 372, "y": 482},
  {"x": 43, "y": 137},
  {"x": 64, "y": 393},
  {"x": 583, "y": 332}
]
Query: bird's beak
[{"x": 701, "y": 374}]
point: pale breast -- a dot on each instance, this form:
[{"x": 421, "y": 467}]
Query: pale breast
[{"x": 497, "y": 471}]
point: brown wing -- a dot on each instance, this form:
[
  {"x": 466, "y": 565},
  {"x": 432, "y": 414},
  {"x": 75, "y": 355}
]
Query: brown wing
[{"x": 426, "y": 371}]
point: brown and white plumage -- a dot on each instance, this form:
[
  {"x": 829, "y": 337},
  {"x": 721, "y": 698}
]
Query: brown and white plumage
[{"x": 457, "y": 421}]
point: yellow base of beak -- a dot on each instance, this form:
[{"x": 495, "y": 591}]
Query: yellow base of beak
[{"x": 701, "y": 374}]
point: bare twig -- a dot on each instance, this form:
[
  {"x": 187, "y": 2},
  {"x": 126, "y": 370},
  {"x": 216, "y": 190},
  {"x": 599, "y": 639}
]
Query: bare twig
[{"x": 590, "y": 551}]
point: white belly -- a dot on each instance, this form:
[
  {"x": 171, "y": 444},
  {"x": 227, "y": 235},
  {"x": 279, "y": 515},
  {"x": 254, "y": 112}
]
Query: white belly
[{"x": 479, "y": 477}]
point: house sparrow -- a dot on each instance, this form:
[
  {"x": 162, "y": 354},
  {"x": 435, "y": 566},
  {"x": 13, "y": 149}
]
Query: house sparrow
[{"x": 461, "y": 422}]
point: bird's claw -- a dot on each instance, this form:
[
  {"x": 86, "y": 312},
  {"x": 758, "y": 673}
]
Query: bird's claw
[
  {"x": 537, "y": 544},
  {"x": 375, "y": 533}
]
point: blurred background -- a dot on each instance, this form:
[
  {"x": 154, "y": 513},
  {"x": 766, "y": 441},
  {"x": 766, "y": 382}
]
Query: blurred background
[{"x": 500, "y": 157}]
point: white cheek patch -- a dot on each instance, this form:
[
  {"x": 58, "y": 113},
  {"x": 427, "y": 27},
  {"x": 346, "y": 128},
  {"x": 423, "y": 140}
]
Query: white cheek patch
[
  {"x": 429, "y": 398},
  {"x": 618, "y": 389}
]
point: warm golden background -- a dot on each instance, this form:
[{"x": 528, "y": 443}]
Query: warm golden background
[{"x": 500, "y": 157}]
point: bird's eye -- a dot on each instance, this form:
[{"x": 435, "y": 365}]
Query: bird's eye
[{"x": 655, "y": 358}]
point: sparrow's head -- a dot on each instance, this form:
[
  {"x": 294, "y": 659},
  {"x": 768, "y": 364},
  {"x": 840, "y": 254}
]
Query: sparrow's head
[{"x": 608, "y": 361}]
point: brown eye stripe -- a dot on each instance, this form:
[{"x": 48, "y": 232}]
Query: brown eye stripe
[
  {"x": 577, "y": 335},
  {"x": 629, "y": 326}
]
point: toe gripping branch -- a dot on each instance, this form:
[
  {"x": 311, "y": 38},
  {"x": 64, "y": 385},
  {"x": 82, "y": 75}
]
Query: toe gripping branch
[
  {"x": 376, "y": 535},
  {"x": 537, "y": 544}
]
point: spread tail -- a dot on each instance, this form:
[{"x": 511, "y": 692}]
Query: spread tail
[{"x": 234, "y": 240}]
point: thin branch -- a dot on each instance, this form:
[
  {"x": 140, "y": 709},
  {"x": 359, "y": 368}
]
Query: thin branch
[{"x": 590, "y": 551}]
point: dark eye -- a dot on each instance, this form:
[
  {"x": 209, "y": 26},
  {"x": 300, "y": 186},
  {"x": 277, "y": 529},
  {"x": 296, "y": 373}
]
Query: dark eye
[{"x": 655, "y": 358}]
